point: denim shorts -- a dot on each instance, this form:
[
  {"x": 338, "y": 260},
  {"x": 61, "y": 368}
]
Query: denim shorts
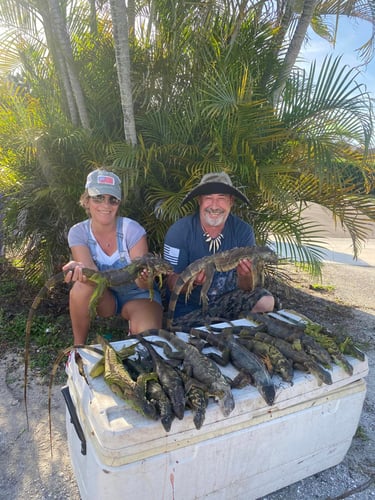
[{"x": 125, "y": 293}]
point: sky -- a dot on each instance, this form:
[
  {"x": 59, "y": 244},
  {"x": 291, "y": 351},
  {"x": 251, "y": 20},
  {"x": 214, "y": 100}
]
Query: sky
[{"x": 351, "y": 35}]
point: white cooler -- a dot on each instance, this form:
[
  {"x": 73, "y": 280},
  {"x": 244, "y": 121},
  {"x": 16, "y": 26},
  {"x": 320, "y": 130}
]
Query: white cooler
[{"x": 118, "y": 454}]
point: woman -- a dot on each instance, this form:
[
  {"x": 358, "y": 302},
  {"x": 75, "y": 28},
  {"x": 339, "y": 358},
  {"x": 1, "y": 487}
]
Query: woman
[{"x": 106, "y": 241}]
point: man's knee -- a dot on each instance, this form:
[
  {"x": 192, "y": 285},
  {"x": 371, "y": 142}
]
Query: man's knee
[{"x": 264, "y": 304}]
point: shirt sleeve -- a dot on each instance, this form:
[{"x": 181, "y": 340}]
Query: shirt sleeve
[
  {"x": 133, "y": 232},
  {"x": 176, "y": 245},
  {"x": 245, "y": 234},
  {"x": 78, "y": 235}
]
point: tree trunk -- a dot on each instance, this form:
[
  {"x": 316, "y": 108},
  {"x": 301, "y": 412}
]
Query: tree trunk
[
  {"x": 294, "y": 47},
  {"x": 121, "y": 39},
  {"x": 65, "y": 48}
]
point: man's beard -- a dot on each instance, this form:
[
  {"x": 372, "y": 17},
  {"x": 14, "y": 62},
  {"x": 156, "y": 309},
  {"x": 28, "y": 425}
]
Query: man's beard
[{"x": 219, "y": 220}]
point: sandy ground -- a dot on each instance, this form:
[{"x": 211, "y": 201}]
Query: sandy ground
[{"x": 27, "y": 469}]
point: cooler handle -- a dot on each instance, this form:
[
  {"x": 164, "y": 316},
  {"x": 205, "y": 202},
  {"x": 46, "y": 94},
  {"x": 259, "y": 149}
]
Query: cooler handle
[{"x": 74, "y": 418}]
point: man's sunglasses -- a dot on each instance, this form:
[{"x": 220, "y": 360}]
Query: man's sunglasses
[{"x": 101, "y": 198}]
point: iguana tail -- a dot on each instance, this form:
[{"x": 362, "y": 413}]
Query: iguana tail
[{"x": 50, "y": 283}]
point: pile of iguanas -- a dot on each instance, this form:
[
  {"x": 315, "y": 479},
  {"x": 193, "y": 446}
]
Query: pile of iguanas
[{"x": 161, "y": 377}]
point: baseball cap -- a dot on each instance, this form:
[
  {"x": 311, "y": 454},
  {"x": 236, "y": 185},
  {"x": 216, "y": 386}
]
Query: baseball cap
[{"x": 103, "y": 182}]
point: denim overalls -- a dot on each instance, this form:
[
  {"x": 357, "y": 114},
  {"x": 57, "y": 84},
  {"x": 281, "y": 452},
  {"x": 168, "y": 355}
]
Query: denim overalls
[{"x": 122, "y": 293}]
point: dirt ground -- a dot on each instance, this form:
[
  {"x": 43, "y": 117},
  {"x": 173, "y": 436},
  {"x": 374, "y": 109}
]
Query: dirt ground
[{"x": 27, "y": 469}]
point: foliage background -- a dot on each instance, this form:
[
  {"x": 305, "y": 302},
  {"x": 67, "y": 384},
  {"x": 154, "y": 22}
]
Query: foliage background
[{"x": 205, "y": 86}]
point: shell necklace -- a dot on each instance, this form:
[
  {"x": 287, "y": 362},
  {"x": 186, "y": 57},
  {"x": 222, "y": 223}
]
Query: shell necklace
[{"x": 214, "y": 243}]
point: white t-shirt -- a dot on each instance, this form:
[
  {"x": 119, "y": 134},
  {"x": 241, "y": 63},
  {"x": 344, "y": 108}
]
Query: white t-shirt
[{"x": 131, "y": 230}]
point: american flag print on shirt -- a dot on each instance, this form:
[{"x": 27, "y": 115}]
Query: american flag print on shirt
[{"x": 171, "y": 254}]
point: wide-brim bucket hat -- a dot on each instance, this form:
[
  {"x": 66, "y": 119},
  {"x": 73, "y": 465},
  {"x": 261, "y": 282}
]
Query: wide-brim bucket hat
[{"x": 215, "y": 183}]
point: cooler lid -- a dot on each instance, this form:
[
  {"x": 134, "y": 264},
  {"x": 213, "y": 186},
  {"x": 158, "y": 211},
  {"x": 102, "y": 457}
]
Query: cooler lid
[{"x": 121, "y": 435}]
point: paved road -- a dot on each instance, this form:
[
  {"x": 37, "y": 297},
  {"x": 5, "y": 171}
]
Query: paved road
[
  {"x": 339, "y": 250},
  {"x": 338, "y": 244}
]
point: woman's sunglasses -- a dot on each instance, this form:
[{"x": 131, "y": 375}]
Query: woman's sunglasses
[{"x": 101, "y": 198}]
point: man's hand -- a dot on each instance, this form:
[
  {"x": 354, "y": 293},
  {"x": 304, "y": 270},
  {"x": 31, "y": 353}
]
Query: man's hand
[
  {"x": 244, "y": 267},
  {"x": 200, "y": 278},
  {"x": 245, "y": 274}
]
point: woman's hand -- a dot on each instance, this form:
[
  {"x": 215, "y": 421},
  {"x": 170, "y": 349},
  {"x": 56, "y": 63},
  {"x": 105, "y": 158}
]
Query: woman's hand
[
  {"x": 73, "y": 271},
  {"x": 143, "y": 280}
]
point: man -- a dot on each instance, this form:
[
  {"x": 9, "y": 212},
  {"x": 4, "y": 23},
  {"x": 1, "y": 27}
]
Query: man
[{"x": 213, "y": 228}]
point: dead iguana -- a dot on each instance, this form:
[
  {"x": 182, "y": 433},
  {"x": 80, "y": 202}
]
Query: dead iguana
[
  {"x": 293, "y": 334},
  {"x": 155, "y": 265},
  {"x": 154, "y": 391},
  {"x": 199, "y": 367},
  {"x": 196, "y": 399},
  {"x": 300, "y": 359},
  {"x": 169, "y": 379},
  {"x": 244, "y": 360},
  {"x": 222, "y": 262},
  {"x": 121, "y": 383}
]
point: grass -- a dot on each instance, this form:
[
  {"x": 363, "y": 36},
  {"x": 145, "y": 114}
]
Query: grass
[
  {"x": 51, "y": 330},
  {"x": 318, "y": 287},
  {"x": 361, "y": 434}
]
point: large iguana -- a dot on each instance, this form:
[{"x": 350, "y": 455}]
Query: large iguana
[
  {"x": 244, "y": 360},
  {"x": 222, "y": 262},
  {"x": 169, "y": 378},
  {"x": 295, "y": 335},
  {"x": 155, "y": 266},
  {"x": 300, "y": 359},
  {"x": 201, "y": 368},
  {"x": 121, "y": 383}
]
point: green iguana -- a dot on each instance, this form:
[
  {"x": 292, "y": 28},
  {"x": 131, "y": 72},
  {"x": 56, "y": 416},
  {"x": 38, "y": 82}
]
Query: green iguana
[
  {"x": 121, "y": 383},
  {"x": 295, "y": 335},
  {"x": 169, "y": 378},
  {"x": 222, "y": 262},
  {"x": 300, "y": 359},
  {"x": 196, "y": 399},
  {"x": 155, "y": 265}
]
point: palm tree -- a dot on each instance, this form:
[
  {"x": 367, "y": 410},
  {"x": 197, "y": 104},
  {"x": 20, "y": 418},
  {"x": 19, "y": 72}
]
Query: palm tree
[
  {"x": 201, "y": 104},
  {"x": 40, "y": 26},
  {"x": 313, "y": 148},
  {"x": 293, "y": 20},
  {"x": 119, "y": 14}
]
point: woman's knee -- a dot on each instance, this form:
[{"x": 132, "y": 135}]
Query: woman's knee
[
  {"x": 80, "y": 296},
  {"x": 80, "y": 292},
  {"x": 143, "y": 314}
]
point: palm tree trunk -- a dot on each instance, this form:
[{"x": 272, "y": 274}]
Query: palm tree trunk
[
  {"x": 64, "y": 46},
  {"x": 294, "y": 47},
  {"x": 121, "y": 39}
]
